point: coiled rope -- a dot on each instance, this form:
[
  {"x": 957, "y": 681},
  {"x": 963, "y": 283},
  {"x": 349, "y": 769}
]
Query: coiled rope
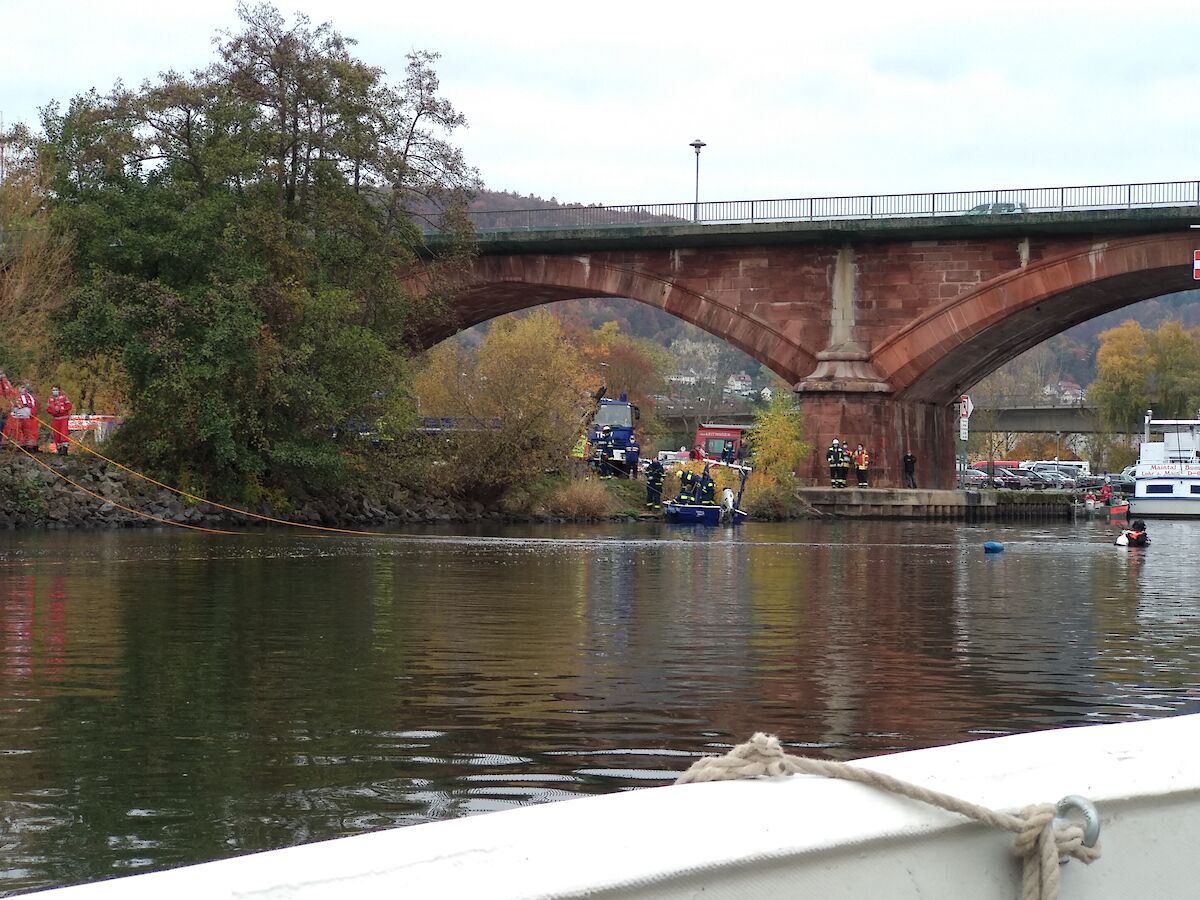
[{"x": 1043, "y": 838}]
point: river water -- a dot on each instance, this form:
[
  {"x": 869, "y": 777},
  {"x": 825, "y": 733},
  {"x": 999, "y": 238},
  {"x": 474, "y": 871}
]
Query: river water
[{"x": 168, "y": 698}]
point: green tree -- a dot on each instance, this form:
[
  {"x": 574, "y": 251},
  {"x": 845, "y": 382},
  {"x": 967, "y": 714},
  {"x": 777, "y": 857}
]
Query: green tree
[
  {"x": 1174, "y": 371},
  {"x": 246, "y": 239}
]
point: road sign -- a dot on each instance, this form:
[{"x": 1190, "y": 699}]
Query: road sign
[
  {"x": 965, "y": 407},
  {"x": 962, "y": 429},
  {"x": 1196, "y": 264}
]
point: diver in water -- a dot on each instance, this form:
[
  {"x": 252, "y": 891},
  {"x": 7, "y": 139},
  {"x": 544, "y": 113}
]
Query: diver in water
[{"x": 1134, "y": 536}]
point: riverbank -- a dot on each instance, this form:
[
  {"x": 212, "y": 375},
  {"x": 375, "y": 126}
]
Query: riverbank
[
  {"x": 82, "y": 492},
  {"x": 79, "y": 491}
]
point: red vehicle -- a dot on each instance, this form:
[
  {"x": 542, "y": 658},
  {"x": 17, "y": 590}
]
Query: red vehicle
[{"x": 722, "y": 442}]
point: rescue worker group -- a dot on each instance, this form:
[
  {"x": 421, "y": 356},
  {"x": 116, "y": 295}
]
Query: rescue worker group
[
  {"x": 693, "y": 487},
  {"x": 842, "y": 459},
  {"x": 19, "y": 417}
]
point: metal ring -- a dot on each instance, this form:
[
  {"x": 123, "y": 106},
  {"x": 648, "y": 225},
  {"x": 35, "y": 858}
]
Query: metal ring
[{"x": 1084, "y": 806}]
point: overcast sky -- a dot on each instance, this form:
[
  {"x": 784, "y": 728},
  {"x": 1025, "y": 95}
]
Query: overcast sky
[{"x": 598, "y": 102}]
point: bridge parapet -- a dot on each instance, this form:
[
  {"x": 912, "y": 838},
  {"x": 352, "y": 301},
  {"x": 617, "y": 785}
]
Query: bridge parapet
[{"x": 979, "y": 204}]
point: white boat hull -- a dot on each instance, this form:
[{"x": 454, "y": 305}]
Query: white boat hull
[
  {"x": 1182, "y": 507},
  {"x": 778, "y": 838}
]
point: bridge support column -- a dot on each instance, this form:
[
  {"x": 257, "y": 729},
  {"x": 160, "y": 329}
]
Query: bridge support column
[{"x": 887, "y": 427}]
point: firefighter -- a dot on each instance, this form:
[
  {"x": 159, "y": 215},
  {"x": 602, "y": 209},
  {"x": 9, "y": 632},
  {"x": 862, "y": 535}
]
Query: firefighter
[
  {"x": 605, "y": 447},
  {"x": 654, "y": 483},
  {"x": 707, "y": 492},
  {"x": 687, "y": 487},
  {"x": 833, "y": 456},
  {"x": 59, "y": 408},
  {"x": 862, "y": 462},
  {"x": 844, "y": 467}
]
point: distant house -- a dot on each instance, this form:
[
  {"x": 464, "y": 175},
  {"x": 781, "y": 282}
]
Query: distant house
[
  {"x": 1067, "y": 393},
  {"x": 739, "y": 384},
  {"x": 690, "y": 377}
]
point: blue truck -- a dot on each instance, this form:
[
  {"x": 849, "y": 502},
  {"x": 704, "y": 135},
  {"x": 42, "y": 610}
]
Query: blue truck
[{"x": 621, "y": 416}]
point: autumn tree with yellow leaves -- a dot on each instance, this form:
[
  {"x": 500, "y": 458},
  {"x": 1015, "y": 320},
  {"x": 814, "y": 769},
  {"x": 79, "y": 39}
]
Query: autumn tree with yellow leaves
[
  {"x": 777, "y": 440},
  {"x": 516, "y": 404},
  {"x": 1139, "y": 370}
]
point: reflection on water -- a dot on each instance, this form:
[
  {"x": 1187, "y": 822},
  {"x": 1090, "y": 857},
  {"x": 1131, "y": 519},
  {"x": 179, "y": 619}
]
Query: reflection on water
[{"x": 170, "y": 698}]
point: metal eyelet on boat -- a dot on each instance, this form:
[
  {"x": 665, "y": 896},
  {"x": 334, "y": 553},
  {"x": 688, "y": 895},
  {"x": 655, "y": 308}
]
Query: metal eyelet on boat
[{"x": 1085, "y": 807}]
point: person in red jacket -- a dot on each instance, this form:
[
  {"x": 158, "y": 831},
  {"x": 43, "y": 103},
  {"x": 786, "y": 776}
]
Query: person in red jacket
[
  {"x": 59, "y": 407},
  {"x": 25, "y": 409}
]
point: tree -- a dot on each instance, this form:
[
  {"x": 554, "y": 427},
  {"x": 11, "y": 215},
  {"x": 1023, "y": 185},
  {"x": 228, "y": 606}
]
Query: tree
[
  {"x": 777, "y": 439},
  {"x": 1121, "y": 390},
  {"x": 246, "y": 243},
  {"x": 518, "y": 402},
  {"x": 1174, "y": 371},
  {"x": 35, "y": 264}
]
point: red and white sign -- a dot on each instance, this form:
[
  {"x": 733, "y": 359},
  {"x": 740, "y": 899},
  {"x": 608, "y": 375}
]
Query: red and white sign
[
  {"x": 966, "y": 407},
  {"x": 92, "y": 423},
  {"x": 1196, "y": 264}
]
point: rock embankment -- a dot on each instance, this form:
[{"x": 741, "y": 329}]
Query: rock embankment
[{"x": 84, "y": 492}]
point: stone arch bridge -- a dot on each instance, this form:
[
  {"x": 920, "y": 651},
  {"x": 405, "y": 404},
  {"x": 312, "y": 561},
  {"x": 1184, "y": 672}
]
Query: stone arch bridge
[{"x": 878, "y": 324}]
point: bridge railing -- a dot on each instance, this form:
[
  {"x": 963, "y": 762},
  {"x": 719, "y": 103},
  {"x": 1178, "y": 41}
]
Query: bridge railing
[{"x": 999, "y": 202}]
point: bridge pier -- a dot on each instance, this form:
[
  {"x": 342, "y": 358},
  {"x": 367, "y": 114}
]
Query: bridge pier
[{"x": 888, "y": 427}]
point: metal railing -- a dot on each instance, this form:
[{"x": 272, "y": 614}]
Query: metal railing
[{"x": 879, "y": 206}]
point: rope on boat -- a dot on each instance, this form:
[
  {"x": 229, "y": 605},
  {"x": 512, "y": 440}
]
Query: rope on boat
[
  {"x": 103, "y": 499},
  {"x": 195, "y": 498},
  {"x": 1044, "y": 837}
]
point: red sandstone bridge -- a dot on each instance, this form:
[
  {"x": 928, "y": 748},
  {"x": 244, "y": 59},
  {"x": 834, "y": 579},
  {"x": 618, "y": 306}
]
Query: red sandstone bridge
[{"x": 879, "y": 311}]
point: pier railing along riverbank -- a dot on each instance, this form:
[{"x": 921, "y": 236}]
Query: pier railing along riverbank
[{"x": 967, "y": 506}]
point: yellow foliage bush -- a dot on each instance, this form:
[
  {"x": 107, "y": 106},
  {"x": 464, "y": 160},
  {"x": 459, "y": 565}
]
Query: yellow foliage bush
[{"x": 582, "y": 500}]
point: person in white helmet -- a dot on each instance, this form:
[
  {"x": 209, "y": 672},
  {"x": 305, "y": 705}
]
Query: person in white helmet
[{"x": 834, "y": 457}]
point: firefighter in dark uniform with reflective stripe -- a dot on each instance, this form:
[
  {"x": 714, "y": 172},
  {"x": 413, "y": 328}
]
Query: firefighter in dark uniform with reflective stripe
[
  {"x": 833, "y": 456},
  {"x": 707, "y": 493},
  {"x": 654, "y": 483},
  {"x": 687, "y": 487},
  {"x": 605, "y": 447}
]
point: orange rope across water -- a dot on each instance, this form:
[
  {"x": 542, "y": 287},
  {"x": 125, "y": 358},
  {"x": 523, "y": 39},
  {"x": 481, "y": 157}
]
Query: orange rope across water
[
  {"x": 198, "y": 499},
  {"x": 103, "y": 499}
]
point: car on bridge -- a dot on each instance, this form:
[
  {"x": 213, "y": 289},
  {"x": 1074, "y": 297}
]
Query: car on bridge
[{"x": 997, "y": 209}]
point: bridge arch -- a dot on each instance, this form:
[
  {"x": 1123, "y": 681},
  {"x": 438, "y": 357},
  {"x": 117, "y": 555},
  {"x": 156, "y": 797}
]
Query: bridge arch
[
  {"x": 952, "y": 346},
  {"x": 504, "y": 284}
]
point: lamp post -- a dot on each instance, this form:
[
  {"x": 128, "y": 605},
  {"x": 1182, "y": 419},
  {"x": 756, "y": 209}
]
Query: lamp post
[{"x": 696, "y": 145}]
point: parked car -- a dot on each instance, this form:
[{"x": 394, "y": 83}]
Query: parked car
[
  {"x": 1058, "y": 481},
  {"x": 997, "y": 209},
  {"x": 1023, "y": 480},
  {"x": 1037, "y": 480}
]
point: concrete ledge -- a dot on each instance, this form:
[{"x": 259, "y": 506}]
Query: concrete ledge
[{"x": 923, "y": 503}]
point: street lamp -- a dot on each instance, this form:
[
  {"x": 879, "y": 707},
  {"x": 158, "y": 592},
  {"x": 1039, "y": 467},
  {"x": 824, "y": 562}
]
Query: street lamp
[{"x": 696, "y": 145}]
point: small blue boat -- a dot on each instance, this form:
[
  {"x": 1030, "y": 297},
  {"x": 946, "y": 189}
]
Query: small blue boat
[
  {"x": 699, "y": 514},
  {"x": 710, "y": 513}
]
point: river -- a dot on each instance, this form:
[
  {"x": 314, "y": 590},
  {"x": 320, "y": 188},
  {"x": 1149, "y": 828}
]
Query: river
[{"x": 168, "y": 698}]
